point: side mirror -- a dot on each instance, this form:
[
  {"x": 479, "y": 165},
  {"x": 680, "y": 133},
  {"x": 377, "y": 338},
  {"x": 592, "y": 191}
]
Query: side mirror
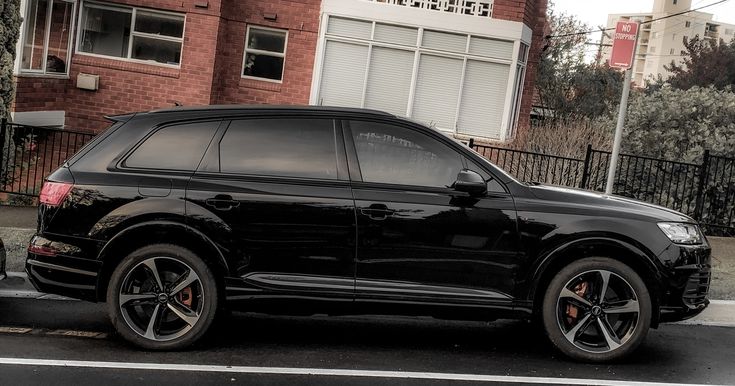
[{"x": 470, "y": 182}]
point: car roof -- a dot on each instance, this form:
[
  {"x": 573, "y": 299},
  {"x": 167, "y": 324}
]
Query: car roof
[{"x": 217, "y": 110}]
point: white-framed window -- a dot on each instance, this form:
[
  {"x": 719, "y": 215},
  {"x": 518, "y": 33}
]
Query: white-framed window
[
  {"x": 518, "y": 89},
  {"x": 265, "y": 54},
  {"x": 46, "y": 37},
  {"x": 130, "y": 33},
  {"x": 457, "y": 82}
]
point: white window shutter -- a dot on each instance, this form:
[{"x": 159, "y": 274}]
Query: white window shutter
[
  {"x": 483, "y": 99},
  {"x": 343, "y": 74},
  {"x": 389, "y": 81},
  {"x": 445, "y": 41},
  {"x": 493, "y": 48},
  {"x": 396, "y": 34},
  {"x": 350, "y": 27},
  {"x": 437, "y": 90}
]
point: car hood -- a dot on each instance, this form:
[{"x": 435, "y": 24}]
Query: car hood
[{"x": 605, "y": 204}]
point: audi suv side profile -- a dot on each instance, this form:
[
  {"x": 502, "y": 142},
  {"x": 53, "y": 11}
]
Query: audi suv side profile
[{"x": 172, "y": 216}]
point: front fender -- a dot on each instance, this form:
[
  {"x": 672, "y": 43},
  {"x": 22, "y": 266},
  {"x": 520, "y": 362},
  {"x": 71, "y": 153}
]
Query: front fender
[{"x": 640, "y": 259}]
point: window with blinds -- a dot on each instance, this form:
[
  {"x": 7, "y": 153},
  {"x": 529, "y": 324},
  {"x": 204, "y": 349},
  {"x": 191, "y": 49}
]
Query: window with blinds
[{"x": 454, "y": 82}]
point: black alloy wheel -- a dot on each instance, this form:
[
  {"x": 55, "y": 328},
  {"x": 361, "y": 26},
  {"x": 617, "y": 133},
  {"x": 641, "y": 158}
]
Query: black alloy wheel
[
  {"x": 597, "y": 309},
  {"x": 162, "y": 297}
]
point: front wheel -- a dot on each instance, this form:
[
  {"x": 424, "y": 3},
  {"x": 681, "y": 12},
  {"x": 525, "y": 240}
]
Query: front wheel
[
  {"x": 162, "y": 297},
  {"x": 597, "y": 310}
]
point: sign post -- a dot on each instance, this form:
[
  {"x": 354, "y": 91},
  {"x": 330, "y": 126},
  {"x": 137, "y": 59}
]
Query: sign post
[{"x": 623, "y": 56}]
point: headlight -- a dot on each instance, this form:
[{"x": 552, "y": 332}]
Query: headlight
[{"x": 681, "y": 233}]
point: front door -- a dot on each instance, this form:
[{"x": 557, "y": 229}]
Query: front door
[
  {"x": 420, "y": 240},
  {"x": 280, "y": 185}
]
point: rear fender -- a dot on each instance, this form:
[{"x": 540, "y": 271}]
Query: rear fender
[{"x": 155, "y": 232}]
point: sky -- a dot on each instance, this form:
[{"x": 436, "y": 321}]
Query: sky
[{"x": 594, "y": 12}]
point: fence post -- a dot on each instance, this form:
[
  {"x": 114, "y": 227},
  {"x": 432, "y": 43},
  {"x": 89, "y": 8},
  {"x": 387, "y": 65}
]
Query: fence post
[
  {"x": 586, "y": 170},
  {"x": 3, "y": 126},
  {"x": 703, "y": 176}
]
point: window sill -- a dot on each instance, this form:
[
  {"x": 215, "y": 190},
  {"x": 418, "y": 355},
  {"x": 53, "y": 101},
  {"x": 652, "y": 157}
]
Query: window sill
[
  {"x": 125, "y": 65},
  {"x": 39, "y": 75},
  {"x": 260, "y": 84}
]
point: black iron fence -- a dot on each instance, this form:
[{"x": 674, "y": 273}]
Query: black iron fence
[
  {"x": 28, "y": 154},
  {"x": 705, "y": 191}
]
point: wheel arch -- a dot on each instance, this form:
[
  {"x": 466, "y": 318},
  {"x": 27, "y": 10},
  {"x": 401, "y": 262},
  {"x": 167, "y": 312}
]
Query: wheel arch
[
  {"x": 609, "y": 247},
  {"x": 155, "y": 232}
]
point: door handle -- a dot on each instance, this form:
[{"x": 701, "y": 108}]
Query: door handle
[
  {"x": 377, "y": 211},
  {"x": 222, "y": 202}
]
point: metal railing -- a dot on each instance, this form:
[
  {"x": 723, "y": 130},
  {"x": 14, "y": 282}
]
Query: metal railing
[
  {"x": 28, "y": 154},
  {"x": 704, "y": 191}
]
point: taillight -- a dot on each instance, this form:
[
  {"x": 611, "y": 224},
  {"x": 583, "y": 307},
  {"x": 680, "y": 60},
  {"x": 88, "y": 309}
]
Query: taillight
[
  {"x": 54, "y": 193},
  {"x": 41, "y": 250}
]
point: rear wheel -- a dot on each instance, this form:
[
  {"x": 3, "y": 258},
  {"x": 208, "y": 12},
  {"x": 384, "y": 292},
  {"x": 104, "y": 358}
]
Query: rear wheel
[
  {"x": 162, "y": 297},
  {"x": 597, "y": 309}
]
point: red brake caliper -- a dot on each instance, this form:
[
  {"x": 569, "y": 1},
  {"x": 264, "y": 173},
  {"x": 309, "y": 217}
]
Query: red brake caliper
[
  {"x": 185, "y": 297},
  {"x": 572, "y": 310}
]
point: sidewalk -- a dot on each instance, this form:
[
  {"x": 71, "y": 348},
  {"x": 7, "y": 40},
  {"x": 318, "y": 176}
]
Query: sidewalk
[
  {"x": 18, "y": 216},
  {"x": 18, "y": 224}
]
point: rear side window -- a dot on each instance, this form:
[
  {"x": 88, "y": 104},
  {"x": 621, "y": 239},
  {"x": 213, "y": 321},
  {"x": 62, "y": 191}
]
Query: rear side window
[
  {"x": 179, "y": 147},
  {"x": 280, "y": 147}
]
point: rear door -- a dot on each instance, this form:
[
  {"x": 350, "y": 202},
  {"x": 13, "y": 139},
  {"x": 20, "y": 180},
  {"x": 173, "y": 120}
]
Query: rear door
[{"x": 276, "y": 191}]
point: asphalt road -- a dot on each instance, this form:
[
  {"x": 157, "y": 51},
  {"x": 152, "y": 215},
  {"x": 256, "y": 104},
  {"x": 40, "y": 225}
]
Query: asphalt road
[{"x": 79, "y": 346}]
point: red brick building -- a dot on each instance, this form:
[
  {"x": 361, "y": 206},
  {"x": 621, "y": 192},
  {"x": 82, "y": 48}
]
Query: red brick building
[{"x": 462, "y": 65}]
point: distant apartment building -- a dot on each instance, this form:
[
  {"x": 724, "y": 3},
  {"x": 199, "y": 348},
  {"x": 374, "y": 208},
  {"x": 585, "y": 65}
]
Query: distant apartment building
[{"x": 662, "y": 41}]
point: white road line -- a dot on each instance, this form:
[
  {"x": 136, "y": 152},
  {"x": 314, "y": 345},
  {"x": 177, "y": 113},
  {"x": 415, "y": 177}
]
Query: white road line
[{"x": 324, "y": 372}]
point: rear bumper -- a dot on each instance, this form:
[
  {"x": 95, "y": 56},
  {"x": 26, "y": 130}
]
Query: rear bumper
[
  {"x": 62, "y": 274},
  {"x": 2, "y": 261}
]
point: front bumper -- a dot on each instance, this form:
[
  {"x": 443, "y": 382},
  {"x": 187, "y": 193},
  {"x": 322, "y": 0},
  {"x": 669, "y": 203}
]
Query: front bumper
[
  {"x": 686, "y": 280},
  {"x": 64, "y": 272}
]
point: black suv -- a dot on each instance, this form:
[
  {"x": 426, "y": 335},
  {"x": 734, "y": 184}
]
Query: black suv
[{"x": 169, "y": 216}]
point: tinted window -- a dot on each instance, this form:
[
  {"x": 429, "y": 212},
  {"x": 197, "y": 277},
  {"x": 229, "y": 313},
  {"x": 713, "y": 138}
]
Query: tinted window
[
  {"x": 280, "y": 147},
  {"x": 179, "y": 147},
  {"x": 396, "y": 155}
]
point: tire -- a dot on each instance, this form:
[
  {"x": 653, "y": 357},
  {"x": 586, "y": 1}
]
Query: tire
[
  {"x": 184, "y": 308},
  {"x": 584, "y": 327}
]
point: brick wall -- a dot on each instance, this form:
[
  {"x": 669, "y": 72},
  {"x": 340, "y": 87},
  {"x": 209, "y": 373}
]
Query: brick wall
[
  {"x": 533, "y": 14},
  {"x": 538, "y": 23},
  {"x": 301, "y": 19},
  {"x": 211, "y": 63}
]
